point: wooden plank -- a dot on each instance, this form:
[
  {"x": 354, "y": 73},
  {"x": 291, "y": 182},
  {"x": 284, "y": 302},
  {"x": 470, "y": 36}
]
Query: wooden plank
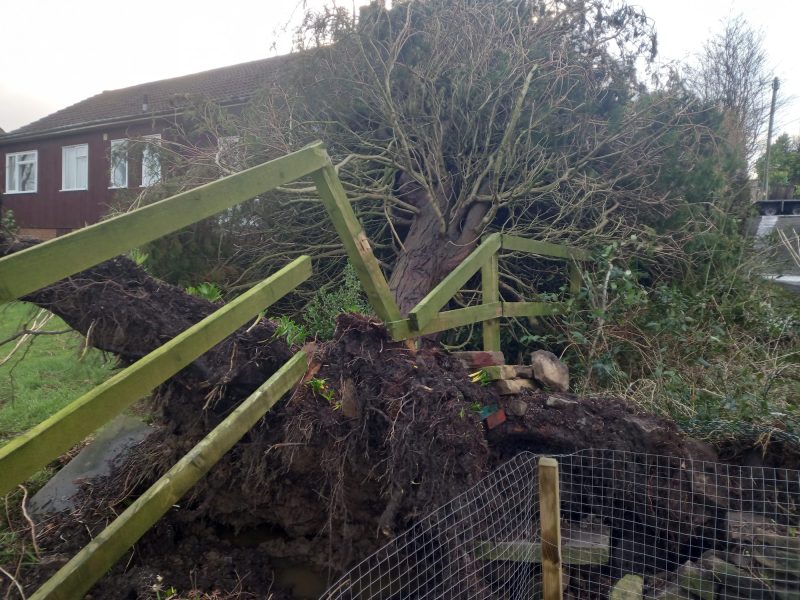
[
  {"x": 27, "y": 271},
  {"x": 427, "y": 309},
  {"x": 779, "y": 562},
  {"x": 734, "y": 577},
  {"x": 629, "y": 587},
  {"x": 355, "y": 241},
  {"x": 32, "y": 450},
  {"x": 550, "y": 519},
  {"x": 781, "y": 541},
  {"x": 495, "y": 372},
  {"x": 575, "y": 278},
  {"x": 509, "y": 387},
  {"x": 75, "y": 578},
  {"x": 578, "y": 547},
  {"x": 401, "y": 330},
  {"x": 519, "y": 244},
  {"x": 490, "y": 290},
  {"x": 695, "y": 580},
  {"x": 533, "y": 309}
]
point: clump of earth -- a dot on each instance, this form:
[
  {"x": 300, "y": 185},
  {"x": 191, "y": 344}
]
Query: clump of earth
[{"x": 376, "y": 436}]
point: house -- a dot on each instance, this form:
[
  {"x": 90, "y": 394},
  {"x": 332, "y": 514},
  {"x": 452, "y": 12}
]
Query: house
[{"x": 63, "y": 171}]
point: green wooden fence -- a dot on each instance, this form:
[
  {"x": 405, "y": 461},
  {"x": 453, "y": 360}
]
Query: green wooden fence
[
  {"x": 426, "y": 318},
  {"x": 31, "y": 269}
]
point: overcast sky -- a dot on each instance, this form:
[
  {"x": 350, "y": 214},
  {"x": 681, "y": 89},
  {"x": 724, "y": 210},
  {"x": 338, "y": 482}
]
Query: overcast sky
[{"x": 62, "y": 52}]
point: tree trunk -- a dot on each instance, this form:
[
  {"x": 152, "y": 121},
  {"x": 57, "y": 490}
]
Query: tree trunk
[
  {"x": 428, "y": 254},
  {"x": 122, "y": 310}
]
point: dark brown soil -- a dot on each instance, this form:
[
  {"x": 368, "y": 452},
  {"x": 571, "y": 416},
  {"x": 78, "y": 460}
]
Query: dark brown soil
[{"x": 375, "y": 437}]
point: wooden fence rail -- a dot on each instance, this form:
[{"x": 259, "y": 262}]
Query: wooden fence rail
[
  {"x": 76, "y": 577},
  {"x": 425, "y": 317},
  {"x": 52, "y": 437},
  {"x": 31, "y": 269},
  {"x": 46, "y": 263}
]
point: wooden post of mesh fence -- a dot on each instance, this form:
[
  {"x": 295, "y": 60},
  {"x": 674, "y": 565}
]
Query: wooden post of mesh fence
[{"x": 550, "y": 522}]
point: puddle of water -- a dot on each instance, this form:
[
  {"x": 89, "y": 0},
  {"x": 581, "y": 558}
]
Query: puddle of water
[
  {"x": 302, "y": 580},
  {"x": 305, "y": 582}
]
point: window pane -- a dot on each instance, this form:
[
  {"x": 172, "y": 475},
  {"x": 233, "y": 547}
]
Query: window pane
[
  {"x": 119, "y": 163},
  {"x": 11, "y": 173},
  {"x": 81, "y": 172},
  {"x": 75, "y": 167},
  {"x": 27, "y": 177},
  {"x": 151, "y": 167},
  {"x": 21, "y": 172},
  {"x": 68, "y": 156}
]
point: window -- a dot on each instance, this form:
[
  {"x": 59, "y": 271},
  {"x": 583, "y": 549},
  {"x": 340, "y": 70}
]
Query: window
[
  {"x": 151, "y": 165},
  {"x": 230, "y": 153},
  {"x": 119, "y": 164},
  {"x": 75, "y": 167},
  {"x": 21, "y": 172}
]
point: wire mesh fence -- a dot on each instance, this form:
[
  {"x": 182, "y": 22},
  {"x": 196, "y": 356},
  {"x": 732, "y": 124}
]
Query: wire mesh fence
[{"x": 632, "y": 526}]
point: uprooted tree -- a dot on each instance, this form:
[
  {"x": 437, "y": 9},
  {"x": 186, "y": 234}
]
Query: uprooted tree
[
  {"x": 451, "y": 118},
  {"x": 447, "y": 119},
  {"x": 328, "y": 476}
]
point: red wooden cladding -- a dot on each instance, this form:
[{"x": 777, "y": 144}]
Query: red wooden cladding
[{"x": 49, "y": 208}]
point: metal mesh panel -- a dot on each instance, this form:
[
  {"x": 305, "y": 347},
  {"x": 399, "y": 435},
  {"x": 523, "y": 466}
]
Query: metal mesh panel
[{"x": 633, "y": 526}]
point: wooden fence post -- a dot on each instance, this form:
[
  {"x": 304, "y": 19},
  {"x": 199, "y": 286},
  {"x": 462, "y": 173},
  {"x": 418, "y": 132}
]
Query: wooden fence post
[
  {"x": 355, "y": 241},
  {"x": 550, "y": 522},
  {"x": 575, "y": 278},
  {"x": 490, "y": 291}
]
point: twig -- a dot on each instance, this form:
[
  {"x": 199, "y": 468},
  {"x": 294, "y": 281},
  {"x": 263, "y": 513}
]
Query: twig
[
  {"x": 87, "y": 340},
  {"x": 790, "y": 244},
  {"x": 15, "y": 582},
  {"x": 30, "y": 521},
  {"x": 26, "y": 331},
  {"x": 40, "y": 320}
]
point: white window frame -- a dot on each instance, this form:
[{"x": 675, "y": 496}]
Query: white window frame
[
  {"x": 121, "y": 154},
  {"x": 35, "y": 162},
  {"x": 75, "y": 187},
  {"x": 150, "y": 157}
]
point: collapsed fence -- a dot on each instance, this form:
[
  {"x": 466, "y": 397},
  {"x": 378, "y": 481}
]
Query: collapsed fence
[
  {"x": 34, "y": 268},
  {"x": 632, "y": 526}
]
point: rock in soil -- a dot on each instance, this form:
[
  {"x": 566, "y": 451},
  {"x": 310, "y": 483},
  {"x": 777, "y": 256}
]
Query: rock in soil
[{"x": 549, "y": 371}]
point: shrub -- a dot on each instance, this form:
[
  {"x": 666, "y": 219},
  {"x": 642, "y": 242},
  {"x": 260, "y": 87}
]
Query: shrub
[
  {"x": 321, "y": 312},
  {"x": 713, "y": 350}
]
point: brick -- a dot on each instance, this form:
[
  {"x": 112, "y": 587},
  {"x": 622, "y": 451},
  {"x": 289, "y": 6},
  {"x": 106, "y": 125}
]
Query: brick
[{"x": 478, "y": 359}]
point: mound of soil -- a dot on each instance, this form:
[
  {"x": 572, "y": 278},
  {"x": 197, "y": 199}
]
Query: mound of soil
[{"x": 376, "y": 436}]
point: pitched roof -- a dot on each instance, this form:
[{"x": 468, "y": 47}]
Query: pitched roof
[{"x": 225, "y": 85}]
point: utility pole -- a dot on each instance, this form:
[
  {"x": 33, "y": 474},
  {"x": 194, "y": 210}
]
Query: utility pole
[{"x": 775, "y": 86}]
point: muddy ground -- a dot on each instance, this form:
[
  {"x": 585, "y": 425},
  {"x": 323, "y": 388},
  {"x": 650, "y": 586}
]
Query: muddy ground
[{"x": 334, "y": 471}]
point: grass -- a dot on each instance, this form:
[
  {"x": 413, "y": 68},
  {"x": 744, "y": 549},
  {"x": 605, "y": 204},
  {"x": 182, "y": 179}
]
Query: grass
[{"x": 45, "y": 373}]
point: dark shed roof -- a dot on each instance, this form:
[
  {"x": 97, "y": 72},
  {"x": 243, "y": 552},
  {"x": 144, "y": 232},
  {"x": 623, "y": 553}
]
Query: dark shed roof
[{"x": 225, "y": 85}]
